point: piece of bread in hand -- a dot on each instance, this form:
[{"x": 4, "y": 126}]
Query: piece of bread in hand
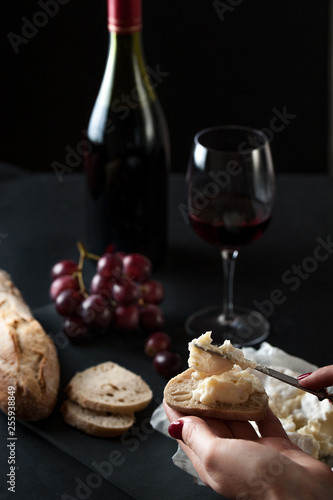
[
  {"x": 28, "y": 358},
  {"x": 178, "y": 395},
  {"x": 96, "y": 423},
  {"x": 109, "y": 387}
]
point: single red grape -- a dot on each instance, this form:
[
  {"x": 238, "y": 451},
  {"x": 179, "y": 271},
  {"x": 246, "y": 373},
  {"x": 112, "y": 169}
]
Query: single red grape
[
  {"x": 137, "y": 266},
  {"x": 63, "y": 267},
  {"x": 152, "y": 292},
  {"x": 102, "y": 286},
  {"x": 126, "y": 317},
  {"x": 64, "y": 282},
  {"x": 125, "y": 292},
  {"x": 151, "y": 317},
  {"x": 68, "y": 301},
  {"x": 75, "y": 328},
  {"x": 95, "y": 311},
  {"x": 156, "y": 342},
  {"x": 110, "y": 266},
  {"x": 167, "y": 363}
]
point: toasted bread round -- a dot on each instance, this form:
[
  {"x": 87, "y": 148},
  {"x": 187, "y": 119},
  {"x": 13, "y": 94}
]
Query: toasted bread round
[
  {"x": 109, "y": 387},
  {"x": 178, "y": 395},
  {"x": 96, "y": 423}
]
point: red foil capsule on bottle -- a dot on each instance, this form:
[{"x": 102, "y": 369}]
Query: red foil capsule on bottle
[{"x": 124, "y": 16}]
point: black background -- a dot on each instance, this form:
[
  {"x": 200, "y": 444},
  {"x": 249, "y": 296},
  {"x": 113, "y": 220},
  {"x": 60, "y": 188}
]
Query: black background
[{"x": 232, "y": 64}]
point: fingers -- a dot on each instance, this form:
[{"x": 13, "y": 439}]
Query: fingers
[
  {"x": 271, "y": 426},
  {"x": 242, "y": 430},
  {"x": 197, "y": 435},
  {"x": 215, "y": 426},
  {"x": 220, "y": 428},
  {"x": 319, "y": 379},
  {"x": 216, "y": 459},
  {"x": 171, "y": 413}
]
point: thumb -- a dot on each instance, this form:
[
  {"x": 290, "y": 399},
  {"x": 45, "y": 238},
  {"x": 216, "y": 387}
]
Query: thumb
[
  {"x": 319, "y": 379},
  {"x": 196, "y": 439},
  {"x": 195, "y": 433}
]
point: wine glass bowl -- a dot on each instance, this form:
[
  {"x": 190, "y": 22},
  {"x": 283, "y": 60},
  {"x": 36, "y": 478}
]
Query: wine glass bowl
[{"x": 231, "y": 190}]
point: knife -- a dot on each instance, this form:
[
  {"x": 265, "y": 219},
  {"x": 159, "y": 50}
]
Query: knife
[{"x": 287, "y": 379}]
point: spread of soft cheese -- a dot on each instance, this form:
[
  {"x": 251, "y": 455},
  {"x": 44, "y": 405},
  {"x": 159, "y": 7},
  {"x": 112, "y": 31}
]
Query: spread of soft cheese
[
  {"x": 204, "y": 362},
  {"x": 220, "y": 380},
  {"x": 209, "y": 363},
  {"x": 232, "y": 387}
]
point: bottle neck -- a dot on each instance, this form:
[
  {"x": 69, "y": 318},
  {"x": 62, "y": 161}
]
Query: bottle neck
[
  {"x": 129, "y": 43},
  {"x": 124, "y": 16},
  {"x": 124, "y": 24}
]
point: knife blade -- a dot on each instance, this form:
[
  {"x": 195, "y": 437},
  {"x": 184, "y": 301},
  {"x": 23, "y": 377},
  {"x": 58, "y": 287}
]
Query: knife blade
[{"x": 287, "y": 379}]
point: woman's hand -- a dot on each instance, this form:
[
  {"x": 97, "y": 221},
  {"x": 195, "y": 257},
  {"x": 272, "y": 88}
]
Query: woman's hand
[
  {"x": 319, "y": 379},
  {"x": 232, "y": 459}
]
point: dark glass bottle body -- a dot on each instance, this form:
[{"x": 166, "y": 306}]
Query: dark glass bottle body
[{"x": 128, "y": 157}]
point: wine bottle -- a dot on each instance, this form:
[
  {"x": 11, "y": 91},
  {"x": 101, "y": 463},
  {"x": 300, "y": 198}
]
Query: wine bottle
[{"x": 128, "y": 154}]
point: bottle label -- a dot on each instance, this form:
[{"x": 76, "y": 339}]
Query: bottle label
[{"x": 124, "y": 16}]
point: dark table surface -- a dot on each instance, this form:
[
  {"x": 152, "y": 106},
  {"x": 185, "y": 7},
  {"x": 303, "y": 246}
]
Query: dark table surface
[{"x": 41, "y": 220}]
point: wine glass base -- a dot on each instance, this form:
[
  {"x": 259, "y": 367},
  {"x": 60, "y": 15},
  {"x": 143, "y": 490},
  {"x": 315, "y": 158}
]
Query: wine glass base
[{"x": 246, "y": 328}]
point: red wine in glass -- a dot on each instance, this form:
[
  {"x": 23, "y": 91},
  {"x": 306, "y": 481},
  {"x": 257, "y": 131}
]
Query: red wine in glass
[
  {"x": 243, "y": 221},
  {"x": 231, "y": 190}
]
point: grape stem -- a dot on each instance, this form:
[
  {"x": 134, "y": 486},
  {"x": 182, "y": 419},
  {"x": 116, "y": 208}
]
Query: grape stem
[{"x": 84, "y": 254}]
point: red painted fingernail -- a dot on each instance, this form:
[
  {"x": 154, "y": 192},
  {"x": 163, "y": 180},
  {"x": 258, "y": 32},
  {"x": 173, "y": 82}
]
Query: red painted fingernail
[
  {"x": 300, "y": 377},
  {"x": 175, "y": 429}
]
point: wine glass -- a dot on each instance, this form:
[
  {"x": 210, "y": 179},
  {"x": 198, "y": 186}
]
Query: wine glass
[{"x": 231, "y": 190}]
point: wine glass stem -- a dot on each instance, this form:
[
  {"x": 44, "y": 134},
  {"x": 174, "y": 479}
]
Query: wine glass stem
[{"x": 228, "y": 260}]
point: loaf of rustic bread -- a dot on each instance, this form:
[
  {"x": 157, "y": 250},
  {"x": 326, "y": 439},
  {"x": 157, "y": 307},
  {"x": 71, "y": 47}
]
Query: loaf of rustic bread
[
  {"x": 28, "y": 357},
  {"x": 178, "y": 394}
]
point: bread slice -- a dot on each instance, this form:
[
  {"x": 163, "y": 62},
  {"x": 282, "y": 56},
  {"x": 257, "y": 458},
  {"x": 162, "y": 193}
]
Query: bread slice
[
  {"x": 109, "y": 387},
  {"x": 178, "y": 395},
  {"x": 96, "y": 423}
]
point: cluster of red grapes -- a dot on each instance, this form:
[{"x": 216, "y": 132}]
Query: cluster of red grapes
[{"x": 121, "y": 294}]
